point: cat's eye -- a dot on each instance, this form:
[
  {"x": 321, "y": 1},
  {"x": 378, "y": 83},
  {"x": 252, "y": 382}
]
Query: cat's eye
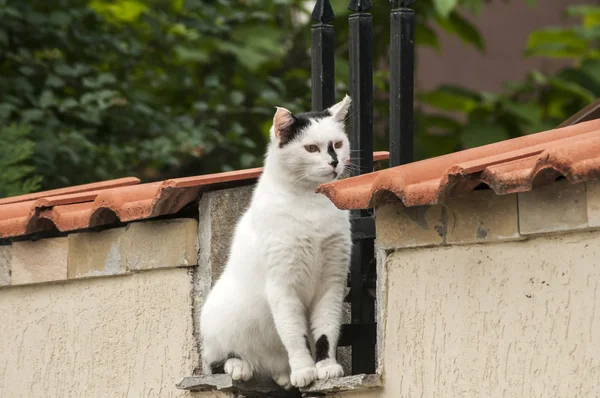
[
  {"x": 311, "y": 148},
  {"x": 338, "y": 144}
]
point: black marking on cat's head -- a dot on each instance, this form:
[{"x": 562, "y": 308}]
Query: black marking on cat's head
[
  {"x": 322, "y": 346},
  {"x": 331, "y": 151},
  {"x": 287, "y": 126}
]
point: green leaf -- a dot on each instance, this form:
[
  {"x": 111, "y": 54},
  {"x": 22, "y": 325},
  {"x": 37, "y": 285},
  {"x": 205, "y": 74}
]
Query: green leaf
[
  {"x": 591, "y": 67},
  {"x": 573, "y": 89},
  {"x": 47, "y": 99},
  {"x": 67, "y": 104},
  {"x": 120, "y": 10},
  {"x": 464, "y": 29},
  {"x": 451, "y": 98},
  {"x": 59, "y": 18},
  {"x": 54, "y": 81},
  {"x": 237, "y": 97},
  {"x": 556, "y": 43},
  {"x": 31, "y": 115},
  {"x": 426, "y": 36},
  {"x": 479, "y": 133},
  {"x": 71, "y": 71},
  {"x": 6, "y": 109},
  {"x": 590, "y": 14},
  {"x": 444, "y": 7},
  {"x": 529, "y": 113},
  {"x": 187, "y": 54}
]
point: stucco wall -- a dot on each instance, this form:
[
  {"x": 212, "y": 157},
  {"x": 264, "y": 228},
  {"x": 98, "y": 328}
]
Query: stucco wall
[
  {"x": 126, "y": 336},
  {"x": 514, "y": 319}
]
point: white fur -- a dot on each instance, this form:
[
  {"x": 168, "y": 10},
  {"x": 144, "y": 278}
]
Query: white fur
[{"x": 287, "y": 268}]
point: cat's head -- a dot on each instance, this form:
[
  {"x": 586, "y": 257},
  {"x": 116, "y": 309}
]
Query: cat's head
[{"x": 311, "y": 147}]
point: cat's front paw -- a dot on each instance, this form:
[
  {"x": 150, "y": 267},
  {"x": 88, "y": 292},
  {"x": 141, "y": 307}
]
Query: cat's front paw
[
  {"x": 283, "y": 380},
  {"x": 328, "y": 369},
  {"x": 238, "y": 369},
  {"x": 303, "y": 377}
]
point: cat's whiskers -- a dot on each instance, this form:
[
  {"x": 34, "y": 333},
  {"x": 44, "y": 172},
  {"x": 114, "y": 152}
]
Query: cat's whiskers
[{"x": 301, "y": 178}]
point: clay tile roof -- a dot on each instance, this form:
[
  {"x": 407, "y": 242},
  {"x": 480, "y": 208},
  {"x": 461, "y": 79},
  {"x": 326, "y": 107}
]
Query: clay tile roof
[
  {"x": 110, "y": 202},
  {"x": 510, "y": 166}
]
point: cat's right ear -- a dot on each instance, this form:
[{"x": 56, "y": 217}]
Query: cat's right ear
[{"x": 282, "y": 123}]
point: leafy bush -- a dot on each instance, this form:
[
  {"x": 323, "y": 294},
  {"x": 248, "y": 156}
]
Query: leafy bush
[
  {"x": 16, "y": 169},
  {"x": 114, "y": 88},
  {"x": 167, "y": 88}
]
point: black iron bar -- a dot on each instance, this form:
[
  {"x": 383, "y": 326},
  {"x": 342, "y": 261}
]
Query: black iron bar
[
  {"x": 361, "y": 85},
  {"x": 322, "y": 55},
  {"x": 402, "y": 76},
  {"x": 361, "y": 141}
]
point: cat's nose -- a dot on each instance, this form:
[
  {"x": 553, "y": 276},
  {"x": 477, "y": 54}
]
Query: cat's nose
[{"x": 334, "y": 163}]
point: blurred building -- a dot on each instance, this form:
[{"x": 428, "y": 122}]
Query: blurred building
[{"x": 505, "y": 26}]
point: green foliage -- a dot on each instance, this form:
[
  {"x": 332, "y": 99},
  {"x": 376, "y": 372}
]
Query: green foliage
[
  {"x": 131, "y": 87},
  {"x": 16, "y": 169},
  {"x": 168, "y": 88},
  {"x": 538, "y": 103}
]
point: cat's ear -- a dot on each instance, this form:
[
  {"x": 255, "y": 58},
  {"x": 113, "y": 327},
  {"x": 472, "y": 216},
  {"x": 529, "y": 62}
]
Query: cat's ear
[
  {"x": 282, "y": 121},
  {"x": 340, "y": 110}
]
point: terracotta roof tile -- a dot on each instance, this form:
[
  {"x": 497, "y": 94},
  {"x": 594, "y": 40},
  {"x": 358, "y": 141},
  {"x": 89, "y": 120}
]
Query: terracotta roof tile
[
  {"x": 109, "y": 202},
  {"x": 79, "y": 188},
  {"x": 510, "y": 166}
]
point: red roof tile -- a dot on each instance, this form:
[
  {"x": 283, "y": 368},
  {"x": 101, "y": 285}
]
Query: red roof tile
[
  {"x": 510, "y": 166},
  {"x": 108, "y": 202}
]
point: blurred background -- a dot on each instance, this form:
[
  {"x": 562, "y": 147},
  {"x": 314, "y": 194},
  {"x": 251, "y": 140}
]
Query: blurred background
[{"x": 95, "y": 90}]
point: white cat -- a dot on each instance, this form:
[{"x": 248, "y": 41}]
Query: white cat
[{"x": 285, "y": 279}]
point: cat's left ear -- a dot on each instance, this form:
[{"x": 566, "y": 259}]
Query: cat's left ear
[{"x": 340, "y": 110}]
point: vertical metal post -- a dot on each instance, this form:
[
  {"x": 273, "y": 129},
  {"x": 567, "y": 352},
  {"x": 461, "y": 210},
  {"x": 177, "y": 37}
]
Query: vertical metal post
[
  {"x": 322, "y": 54},
  {"x": 361, "y": 85},
  {"x": 402, "y": 76},
  {"x": 361, "y": 141}
]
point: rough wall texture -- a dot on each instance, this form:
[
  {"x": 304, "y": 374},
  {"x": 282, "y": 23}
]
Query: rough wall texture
[
  {"x": 516, "y": 319},
  {"x": 128, "y": 336},
  {"x": 5, "y": 261},
  {"x": 219, "y": 213}
]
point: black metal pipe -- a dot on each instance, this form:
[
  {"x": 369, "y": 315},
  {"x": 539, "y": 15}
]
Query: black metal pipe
[
  {"x": 402, "y": 76},
  {"x": 322, "y": 55},
  {"x": 361, "y": 141},
  {"x": 360, "y": 33}
]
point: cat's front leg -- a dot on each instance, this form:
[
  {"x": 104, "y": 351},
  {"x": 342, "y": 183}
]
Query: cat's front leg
[
  {"x": 326, "y": 314},
  {"x": 289, "y": 314}
]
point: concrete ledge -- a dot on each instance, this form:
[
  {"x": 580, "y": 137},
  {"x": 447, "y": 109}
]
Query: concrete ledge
[
  {"x": 224, "y": 383},
  {"x": 349, "y": 383},
  {"x": 558, "y": 207},
  {"x": 136, "y": 247},
  {"x": 96, "y": 253},
  {"x": 593, "y": 203},
  {"x": 268, "y": 388},
  {"x": 39, "y": 261},
  {"x": 161, "y": 244},
  {"x": 399, "y": 226},
  {"x": 484, "y": 217}
]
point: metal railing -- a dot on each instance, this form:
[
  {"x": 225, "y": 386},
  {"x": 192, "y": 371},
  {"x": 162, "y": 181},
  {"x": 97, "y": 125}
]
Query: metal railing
[{"x": 361, "y": 333}]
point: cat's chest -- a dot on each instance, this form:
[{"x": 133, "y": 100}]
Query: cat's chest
[
  {"x": 321, "y": 217},
  {"x": 311, "y": 217}
]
